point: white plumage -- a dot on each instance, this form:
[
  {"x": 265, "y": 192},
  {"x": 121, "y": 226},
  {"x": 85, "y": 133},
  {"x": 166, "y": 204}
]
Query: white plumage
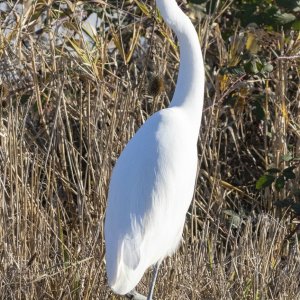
[{"x": 153, "y": 180}]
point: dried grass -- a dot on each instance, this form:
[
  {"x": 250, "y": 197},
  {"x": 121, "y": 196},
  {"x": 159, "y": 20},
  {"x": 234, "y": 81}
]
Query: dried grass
[{"x": 66, "y": 113}]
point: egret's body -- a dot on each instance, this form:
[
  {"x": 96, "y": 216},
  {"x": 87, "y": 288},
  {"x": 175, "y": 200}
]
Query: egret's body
[{"x": 153, "y": 180}]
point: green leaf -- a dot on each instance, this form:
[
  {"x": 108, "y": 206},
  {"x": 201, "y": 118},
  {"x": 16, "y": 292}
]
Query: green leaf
[
  {"x": 284, "y": 203},
  {"x": 279, "y": 183},
  {"x": 238, "y": 70},
  {"x": 258, "y": 110},
  {"x": 285, "y": 18},
  {"x": 296, "y": 25},
  {"x": 267, "y": 68},
  {"x": 273, "y": 170},
  {"x": 231, "y": 100},
  {"x": 251, "y": 67},
  {"x": 264, "y": 181},
  {"x": 297, "y": 8},
  {"x": 24, "y": 98},
  {"x": 287, "y": 157},
  {"x": 288, "y": 4},
  {"x": 288, "y": 173},
  {"x": 296, "y": 208}
]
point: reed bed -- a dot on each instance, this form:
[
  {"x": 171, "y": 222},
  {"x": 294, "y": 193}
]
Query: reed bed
[{"x": 69, "y": 104}]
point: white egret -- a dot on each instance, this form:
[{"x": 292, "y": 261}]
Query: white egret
[{"x": 153, "y": 181}]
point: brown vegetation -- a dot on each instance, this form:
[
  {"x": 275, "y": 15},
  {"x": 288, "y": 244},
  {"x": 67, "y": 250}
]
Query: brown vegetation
[{"x": 68, "y": 109}]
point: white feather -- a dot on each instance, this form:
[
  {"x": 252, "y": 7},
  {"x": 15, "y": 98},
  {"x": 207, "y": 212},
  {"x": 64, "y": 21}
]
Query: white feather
[{"x": 153, "y": 180}]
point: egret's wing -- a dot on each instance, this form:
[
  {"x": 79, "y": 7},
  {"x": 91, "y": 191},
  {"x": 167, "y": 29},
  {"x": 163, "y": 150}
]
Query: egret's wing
[
  {"x": 129, "y": 199},
  {"x": 150, "y": 190}
]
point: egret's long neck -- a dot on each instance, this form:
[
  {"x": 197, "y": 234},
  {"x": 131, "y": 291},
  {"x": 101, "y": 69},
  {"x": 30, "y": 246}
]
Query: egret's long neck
[{"x": 190, "y": 83}]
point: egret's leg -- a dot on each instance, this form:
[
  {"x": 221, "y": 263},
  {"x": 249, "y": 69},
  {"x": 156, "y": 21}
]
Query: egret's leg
[
  {"x": 155, "y": 272},
  {"x": 134, "y": 295}
]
